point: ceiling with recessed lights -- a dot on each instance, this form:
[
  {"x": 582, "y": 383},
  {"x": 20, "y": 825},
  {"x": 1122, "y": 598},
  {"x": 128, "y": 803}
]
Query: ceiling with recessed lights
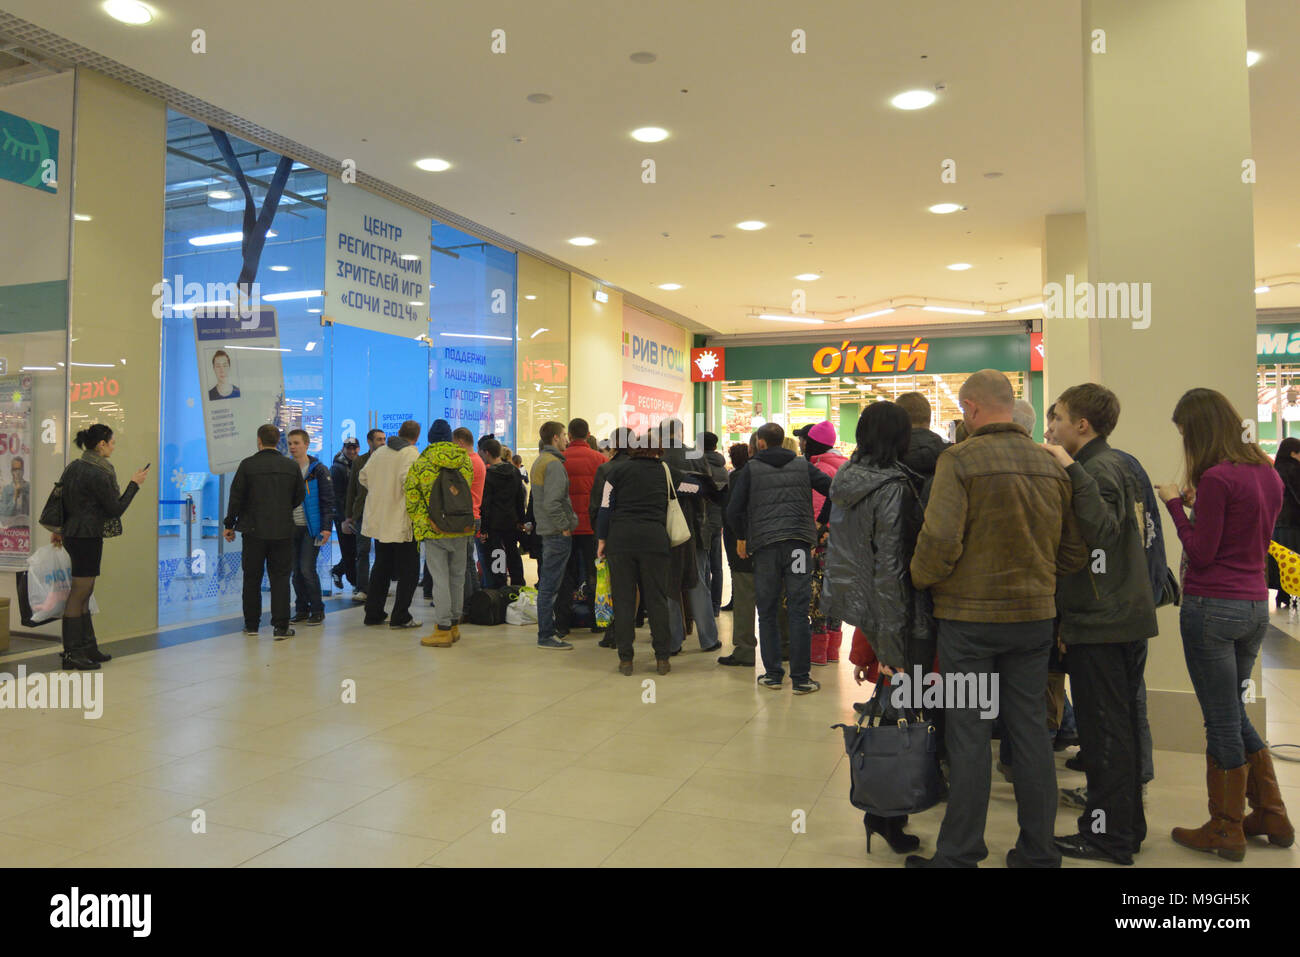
[{"x": 540, "y": 141}]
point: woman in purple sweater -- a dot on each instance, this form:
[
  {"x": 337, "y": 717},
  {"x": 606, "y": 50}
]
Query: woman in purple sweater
[{"x": 1237, "y": 495}]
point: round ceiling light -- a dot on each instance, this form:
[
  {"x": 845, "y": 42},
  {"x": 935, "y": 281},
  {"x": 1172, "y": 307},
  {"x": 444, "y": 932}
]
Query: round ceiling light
[
  {"x": 279, "y": 269},
  {"x": 942, "y": 208},
  {"x": 643, "y": 57},
  {"x": 582, "y": 241},
  {"x": 1252, "y": 57},
  {"x": 221, "y": 194},
  {"x": 128, "y": 11},
  {"x": 539, "y": 97},
  {"x": 433, "y": 164},
  {"x": 807, "y": 276},
  {"x": 751, "y": 224},
  {"x": 650, "y": 134},
  {"x": 913, "y": 100},
  {"x": 670, "y": 286},
  {"x": 959, "y": 267}
]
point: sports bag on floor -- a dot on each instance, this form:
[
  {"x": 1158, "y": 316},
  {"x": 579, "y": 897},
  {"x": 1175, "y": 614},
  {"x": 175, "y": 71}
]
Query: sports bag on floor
[
  {"x": 893, "y": 767},
  {"x": 451, "y": 507},
  {"x": 486, "y": 607}
]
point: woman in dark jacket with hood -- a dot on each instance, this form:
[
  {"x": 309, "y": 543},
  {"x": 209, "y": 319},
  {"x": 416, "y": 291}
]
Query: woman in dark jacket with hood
[
  {"x": 92, "y": 509},
  {"x": 875, "y": 519},
  {"x": 1287, "y": 530}
]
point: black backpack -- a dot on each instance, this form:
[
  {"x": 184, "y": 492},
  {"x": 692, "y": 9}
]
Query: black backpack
[{"x": 451, "y": 506}]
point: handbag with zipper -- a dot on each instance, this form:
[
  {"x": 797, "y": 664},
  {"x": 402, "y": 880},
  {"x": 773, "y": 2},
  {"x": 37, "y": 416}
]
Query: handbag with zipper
[
  {"x": 679, "y": 533},
  {"x": 893, "y": 766}
]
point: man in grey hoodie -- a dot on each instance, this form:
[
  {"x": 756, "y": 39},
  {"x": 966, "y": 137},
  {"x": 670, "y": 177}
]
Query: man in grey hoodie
[{"x": 556, "y": 520}]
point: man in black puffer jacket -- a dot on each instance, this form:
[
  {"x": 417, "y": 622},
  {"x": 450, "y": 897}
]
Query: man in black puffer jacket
[
  {"x": 925, "y": 446},
  {"x": 502, "y": 514},
  {"x": 771, "y": 510},
  {"x": 340, "y": 472}
]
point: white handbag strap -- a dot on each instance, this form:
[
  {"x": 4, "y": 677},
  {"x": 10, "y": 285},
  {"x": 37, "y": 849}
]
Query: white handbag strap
[{"x": 668, "y": 476}]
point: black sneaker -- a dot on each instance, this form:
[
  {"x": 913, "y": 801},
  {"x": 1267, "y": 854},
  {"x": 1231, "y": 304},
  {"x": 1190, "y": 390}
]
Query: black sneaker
[
  {"x": 770, "y": 681},
  {"x": 283, "y": 633},
  {"x": 338, "y": 580},
  {"x": 250, "y": 630},
  {"x": 807, "y": 687},
  {"x": 607, "y": 642},
  {"x": 316, "y": 619},
  {"x": 1075, "y": 763},
  {"x": 734, "y": 662},
  {"x": 1062, "y": 741},
  {"x": 301, "y": 616}
]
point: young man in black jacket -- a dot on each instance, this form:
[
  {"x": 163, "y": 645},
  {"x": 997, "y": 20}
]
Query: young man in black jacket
[
  {"x": 266, "y": 489},
  {"x": 502, "y": 514},
  {"x": 771, "y": 510},
  {"x": 924, "y": 447},
  {"x": 340, "y": 471},
  {"x": 355, "y": 509},
  {"x": 717, "y": 467}
]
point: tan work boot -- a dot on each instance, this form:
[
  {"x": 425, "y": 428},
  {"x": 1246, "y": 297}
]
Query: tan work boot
[
  {"x": 1222, "y": 833},
  {"x": 1268, "y": 814},
  {"x": 663, "y": 665},
  {"x": 441, "y": 638}
]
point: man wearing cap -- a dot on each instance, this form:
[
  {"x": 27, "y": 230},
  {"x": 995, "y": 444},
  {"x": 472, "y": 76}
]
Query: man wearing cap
[
  {"x": 817, "y": 442},
  {"x": 340, "y": 472}
]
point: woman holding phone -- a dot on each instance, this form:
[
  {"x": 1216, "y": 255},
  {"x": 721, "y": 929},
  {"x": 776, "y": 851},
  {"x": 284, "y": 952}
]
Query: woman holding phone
[{"x": 92, "y": 507}]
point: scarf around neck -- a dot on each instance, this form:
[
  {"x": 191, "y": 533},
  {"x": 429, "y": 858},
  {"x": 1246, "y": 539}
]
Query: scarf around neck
[{"x": 91, "y": 457}]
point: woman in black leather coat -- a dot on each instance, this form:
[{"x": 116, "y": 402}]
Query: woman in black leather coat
[{"x": 92, "y": 509}]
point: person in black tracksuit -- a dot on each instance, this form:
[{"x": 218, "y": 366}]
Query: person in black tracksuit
[
  {"x": 631, "y": 532},
  {"x": 502, "y": 514}
]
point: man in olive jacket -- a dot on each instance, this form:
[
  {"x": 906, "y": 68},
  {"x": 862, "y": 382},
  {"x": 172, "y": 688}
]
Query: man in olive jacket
[
  {"x": 998, "y": 531},
  {"x": 1107, "y": 615}
]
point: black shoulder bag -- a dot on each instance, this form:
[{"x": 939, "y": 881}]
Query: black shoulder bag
[{"x": 893, "y": 767}]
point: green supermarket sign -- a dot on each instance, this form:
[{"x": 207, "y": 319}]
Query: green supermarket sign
[{"x": 29, "y": 153}]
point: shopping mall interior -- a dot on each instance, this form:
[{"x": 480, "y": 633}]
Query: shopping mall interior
[{"x": 507, "y": 215}]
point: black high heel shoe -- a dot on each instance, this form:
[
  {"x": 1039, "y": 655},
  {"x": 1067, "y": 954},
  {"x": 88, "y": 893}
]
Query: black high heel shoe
[{"x": 891, "y": 829}]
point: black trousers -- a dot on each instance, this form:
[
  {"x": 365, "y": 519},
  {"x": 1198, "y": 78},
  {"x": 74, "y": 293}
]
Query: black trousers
[
  {"x": 347, "y": 566},
  {"x": 581, "y": 568},
  {"x": 1105, "y": 679},
  {"x": 503, "y": 546},
  {"x": 649, "y": 573},
  {"x": 275, "y": 558},
  {"x": 400, "y": 560}
]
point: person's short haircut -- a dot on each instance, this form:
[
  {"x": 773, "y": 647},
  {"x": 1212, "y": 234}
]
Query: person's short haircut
[
  {"x": 482, "y": 442},
  {"x": 772, "y": 434},
  {"x": 917, "y": 408},
  {"x": 578, "y": 429},
  {"x": 550, "y": 431},
  {"x": 1023, "y": 414},
  {"x": 1093, "y": 402},
  {"x": 410, "y": 431},
  {"x": 710, "y": 442},
  {"x": 220, "y": 352},
  {"x": 306, "y": 438},
  {"x": 739, "y": 455},
  {"x": 517, "y": 459},
  {"x": 1051, "y": 412},
  {"x": 371, "y": 434},
  {"x": 490, "y": 446},
  {"x": 268, "y": 435},
  {"x": 464, "y": 436},
  {"x": 988, "y": 387}
]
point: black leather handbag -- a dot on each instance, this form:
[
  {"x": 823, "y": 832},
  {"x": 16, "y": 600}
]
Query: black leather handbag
[
  {"x": 893, "y": 765},
  {"x": 52, "y": 515}
]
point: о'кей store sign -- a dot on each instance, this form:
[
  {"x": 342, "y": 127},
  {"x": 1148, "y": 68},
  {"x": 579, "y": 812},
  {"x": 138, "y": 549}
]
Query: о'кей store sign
[{"x": 885, "y": 357}]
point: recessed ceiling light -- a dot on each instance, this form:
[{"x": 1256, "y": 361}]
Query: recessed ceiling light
[
  {"x": 670, "y": 286},
  {"x": 751, "y": 224},
  {"x": 807, "y": 276},
  {"x": 433, "y": 164},
  {"x": 313, "y": 310},
  {"x": 221, "y": 194},
  {"x": 650, "y": 134},
  {"x": 279, "y": 269},
  {"x": 539, "y": 97},
  {"x": 958, "y": 267},
  {"x": 311, "y": 346},
  {"x": 81, "y": 217},
  {"x": 942, "y": 208},
  {"x": 913, "y": 100},
  {"x": 643, "y": 57},
  {"x": 1260, "y": 290},
  {"x": 530, "y": 297},
  {"x": 1252, "y": 57},
  {"x": 582, "y": 241},
  {"x": 128, "y": 11}
]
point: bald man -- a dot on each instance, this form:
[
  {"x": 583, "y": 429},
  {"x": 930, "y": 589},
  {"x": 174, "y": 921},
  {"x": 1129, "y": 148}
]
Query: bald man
[{"x": 998, "y": 531}]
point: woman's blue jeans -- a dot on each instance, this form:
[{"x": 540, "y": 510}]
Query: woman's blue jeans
[{"x": 1221, "y": 637}]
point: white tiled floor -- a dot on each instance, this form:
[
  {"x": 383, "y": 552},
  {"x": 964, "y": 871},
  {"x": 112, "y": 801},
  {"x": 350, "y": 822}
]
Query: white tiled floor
[{"x": 490, "y": 753}]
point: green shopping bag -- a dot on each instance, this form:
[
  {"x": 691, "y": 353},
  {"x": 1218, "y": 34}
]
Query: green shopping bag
[{"x": 604, "y": 608}]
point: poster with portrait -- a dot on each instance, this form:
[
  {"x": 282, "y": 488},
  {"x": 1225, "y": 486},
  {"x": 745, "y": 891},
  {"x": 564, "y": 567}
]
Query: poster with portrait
[
  {"x": 15, "y": 470},
  {"x": 241, "y": 380}
]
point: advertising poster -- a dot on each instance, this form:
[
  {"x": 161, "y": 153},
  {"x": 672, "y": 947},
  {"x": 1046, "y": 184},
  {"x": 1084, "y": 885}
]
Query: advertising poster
[
  {"x": 16, "y": 470},
  {"x": 656, "y": 371},
  {"x": 376, "y": 263},
  {"x": 241, "y": 381}
]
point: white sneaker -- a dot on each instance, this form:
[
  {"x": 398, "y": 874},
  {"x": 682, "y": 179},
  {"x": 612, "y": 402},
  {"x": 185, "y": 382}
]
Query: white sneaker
[{"x": 358, "y": 596}]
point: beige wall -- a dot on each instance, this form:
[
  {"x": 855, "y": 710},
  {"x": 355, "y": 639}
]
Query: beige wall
[
  {"x": 116, "y": 260},
  {"x": 596, "y": 354},
  {"x": 541, "y": 353},
  {"x": 1067, "y": 343}
]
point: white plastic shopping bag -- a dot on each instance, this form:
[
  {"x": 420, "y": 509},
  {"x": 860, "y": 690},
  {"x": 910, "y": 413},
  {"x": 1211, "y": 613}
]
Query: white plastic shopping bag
[
  {"x": 523, "y": 610},
  {"x": 49, "y": 579}
]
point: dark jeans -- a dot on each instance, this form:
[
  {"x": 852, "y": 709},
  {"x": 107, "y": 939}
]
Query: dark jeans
[
  {"x": 649, "y": 573},
  {"x": 580, "y": 569},
  {"x": 715, "y": 571},
  {"x": 1105, "y": 681},
  {"x": 400, "y": 560},
  {"x": 362, "y": 583},
  {"x": 1016, "y": 654},
  {"x": 503, "y": 552},
  {"x": 472, "y": 581},
  {"x": 275, "y": 557},
  {"x": 555, "y": 558},
  {"x": 347, "y": 566},
  {"x": 306, "y": 580},
  {"x": 787, "y": 564},
  {"x": 1221, "y": 637}
]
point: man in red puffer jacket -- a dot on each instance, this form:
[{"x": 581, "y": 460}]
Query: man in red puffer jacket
[
  {"x": 819, "y": 448},
  {"x": 581, "y": 462}
]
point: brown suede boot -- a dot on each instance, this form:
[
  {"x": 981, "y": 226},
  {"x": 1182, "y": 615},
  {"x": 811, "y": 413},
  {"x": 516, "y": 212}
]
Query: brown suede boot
[
  {"x": 1222, "y": 833},
  {"x": 1268, "y": 814}
]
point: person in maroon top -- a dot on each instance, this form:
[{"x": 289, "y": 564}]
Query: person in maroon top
[{"x": 1237, "y": 495}]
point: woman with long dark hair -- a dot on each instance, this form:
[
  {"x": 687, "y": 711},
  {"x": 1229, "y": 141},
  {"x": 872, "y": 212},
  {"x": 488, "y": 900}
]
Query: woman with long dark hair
[
  {"x": 1237, "y": 495},
  {"x": 875, "y": 518},
  {"x": 92, "y": 508},
  {"x": 1287, "y": 530}
]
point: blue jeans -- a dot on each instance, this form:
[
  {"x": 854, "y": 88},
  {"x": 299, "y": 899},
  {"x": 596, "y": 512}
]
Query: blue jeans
[
  {"x": 706, "y": 625},
  {"x": 1221, "y": 637},
  {"x": 306, "y": 583},
  {"x": 788, "y": 563},
  {"x": 555, "y": 556}
]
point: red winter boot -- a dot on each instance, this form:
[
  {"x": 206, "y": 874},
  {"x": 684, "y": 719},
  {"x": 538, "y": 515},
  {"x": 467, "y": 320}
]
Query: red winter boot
[
  {"x": 819, "y": 647},
  {"x": 833, "y": 638}
]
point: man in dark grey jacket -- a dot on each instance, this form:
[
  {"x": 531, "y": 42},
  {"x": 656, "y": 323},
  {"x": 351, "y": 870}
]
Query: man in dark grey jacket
[
  {"x": 717, "y": 467},
  {"x": 266, "y": 489},
  {"x": 1107, "y": 614},
  {"x": 771, "y": 509},
  {"x": 924, "y": 447},
  {"x": 555, "y": 518}
]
